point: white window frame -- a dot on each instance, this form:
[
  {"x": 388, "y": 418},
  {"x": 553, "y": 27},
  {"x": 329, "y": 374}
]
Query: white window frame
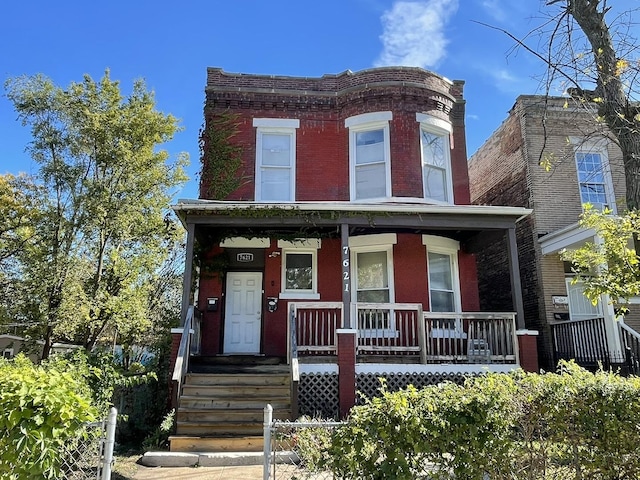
[
  {"x": 449, "y": 247},
  {"x": 580, "y": 145},
  {"x": 302, "y": 246},
  {"x": 383, "y": 242},
  {"x": 8, "y": 353},
  {"x": 363, "y": 123},
  {"x": 443, "y": 129},
  {"x": 275, "y": 126}
]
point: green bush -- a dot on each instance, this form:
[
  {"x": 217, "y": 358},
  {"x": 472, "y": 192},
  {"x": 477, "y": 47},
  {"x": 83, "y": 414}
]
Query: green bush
[
  {"x": 42, "y": 408},
  {"x": 571, "y": 424}
]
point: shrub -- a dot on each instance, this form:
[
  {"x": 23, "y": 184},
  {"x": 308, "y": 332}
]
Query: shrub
[
  {"x": 42, "y": 408},
  {"x": 569, "y": 424}
]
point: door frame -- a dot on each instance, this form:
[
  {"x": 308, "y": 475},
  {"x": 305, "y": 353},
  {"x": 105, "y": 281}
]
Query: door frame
[{"x": 226, "y": 311}]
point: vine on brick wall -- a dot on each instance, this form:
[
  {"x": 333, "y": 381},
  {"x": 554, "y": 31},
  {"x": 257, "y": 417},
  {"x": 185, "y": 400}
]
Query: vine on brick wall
[{"x": 220, "y": 158}]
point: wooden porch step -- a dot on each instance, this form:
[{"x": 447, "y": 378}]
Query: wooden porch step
[
  {"x": 238, "y": 379},
  {"x": 219, "y": 429},
  {"x": 199, "y": 401},
  {"x": 229, "y": 415},
  {"x": 265, "y": 392},
  {"x": 216, "y": 444}
]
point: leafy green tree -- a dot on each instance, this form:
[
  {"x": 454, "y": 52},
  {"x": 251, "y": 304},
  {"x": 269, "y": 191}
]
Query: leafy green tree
[
  {"x": 105, "y": 232},
  {"x": 609, "y": 266}
]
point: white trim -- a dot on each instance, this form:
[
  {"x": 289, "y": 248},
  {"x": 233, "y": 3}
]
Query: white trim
[
  {"x": 276, "y": 122},
  {"x": 304, "y": 295},
  {"x": 300, "y": 293},
  {"x": 438, "y": 123},
  {"x": 442, "y": 243},
  {"x": 443, "y": 130},
  {"x": 181, "y": 330},
  {"x": 382, "y": 368},
  {"x": 524, "y": 332},
  {"x": 377, "y": 239},
  {"x": 259, "y": 167},
  {"x": 373, "y": 117},
  {"x": 596, "y": 146},
  {"x": 311, "y": 368},
  {"x": 364, "y": 123},
  {"x": 240, "y": 242},
  {"x": 347, "y": 330},
  {"x": 373, "y": 248},
  {"x": 450, "y": 248},
  {"x": 572, "y": 236},
  {"x": 301, "y": 243},
  {"x": 198, "y": 205}
]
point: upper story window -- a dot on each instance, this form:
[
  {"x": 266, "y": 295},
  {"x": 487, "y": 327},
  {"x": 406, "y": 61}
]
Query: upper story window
[
  {"x": 300, "y": 268},
  {"x": 275, "y": 159},
  {"x": 594, "y": 176},
  {"x": 369, "y": 155},
  {"x": 436, "y": 158}
]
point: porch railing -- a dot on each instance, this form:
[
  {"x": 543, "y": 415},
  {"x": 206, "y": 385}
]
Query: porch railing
[
  {"x": 584, "y": 341},
  {"x": 631, "y": 345},
  {"x": 471, "y": 337},
  {"x": 184, "y": 351},
  {"x": 404, "y": 330},
  {"x": 314, "y": 326}
]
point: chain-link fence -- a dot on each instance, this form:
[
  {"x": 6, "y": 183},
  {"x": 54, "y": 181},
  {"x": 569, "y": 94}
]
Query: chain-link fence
[
  {"x": 296, "y": 450},
  {"x": 89, "y": 455}
]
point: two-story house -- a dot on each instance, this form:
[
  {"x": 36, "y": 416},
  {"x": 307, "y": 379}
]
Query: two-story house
[
  {"x": 551, "y": 155},
  {"x": 346, "y": 253}
]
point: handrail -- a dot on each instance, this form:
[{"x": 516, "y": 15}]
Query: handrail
[
  {"x": 182, "y": 359},
  {"x": 293, "y": 346},
  {"x": 628, "y": 329}
]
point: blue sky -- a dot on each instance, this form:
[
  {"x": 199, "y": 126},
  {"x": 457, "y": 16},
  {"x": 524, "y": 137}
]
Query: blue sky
[{"x": 171, "y": 44}]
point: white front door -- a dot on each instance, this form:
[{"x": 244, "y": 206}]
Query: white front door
[{"x": 243, "y": 312}]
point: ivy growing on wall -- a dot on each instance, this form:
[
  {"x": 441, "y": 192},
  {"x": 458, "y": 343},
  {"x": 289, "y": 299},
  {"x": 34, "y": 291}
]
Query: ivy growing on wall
[{"x": 221, "y": 159}]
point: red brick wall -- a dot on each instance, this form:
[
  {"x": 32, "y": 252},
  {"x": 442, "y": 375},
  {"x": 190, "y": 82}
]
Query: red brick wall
[{"x": 322, "y": 142}]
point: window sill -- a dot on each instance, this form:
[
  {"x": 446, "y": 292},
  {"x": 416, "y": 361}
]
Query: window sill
[{"x": 299, "y": 296}]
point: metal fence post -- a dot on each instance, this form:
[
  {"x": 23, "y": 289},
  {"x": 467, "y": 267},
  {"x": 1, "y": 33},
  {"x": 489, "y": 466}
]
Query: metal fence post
[
  {"x": 268, "y": 419},
  {"x": 109, "y": 443}
]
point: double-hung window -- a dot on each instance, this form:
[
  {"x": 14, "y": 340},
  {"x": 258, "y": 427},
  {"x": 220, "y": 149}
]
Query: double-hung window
[
  {"x": 594, "y": 176},
  {"x": 275, "y": 159},
  {"x": 300, "y": 269},
  {"x": 436, "y": 158},
  {"x": 369, "y": 155},
  {"x": 444, "y": 282},
  {"x": 372, "y": 260}
]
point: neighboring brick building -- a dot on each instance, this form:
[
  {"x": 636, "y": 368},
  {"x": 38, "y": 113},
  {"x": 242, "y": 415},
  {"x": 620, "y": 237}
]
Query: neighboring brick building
[
  {"x": 507, "y": 170},
  {"x": 351, "y": 240}
]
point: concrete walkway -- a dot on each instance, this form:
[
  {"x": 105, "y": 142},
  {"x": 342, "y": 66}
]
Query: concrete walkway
[{"x": 240, "y": 472}]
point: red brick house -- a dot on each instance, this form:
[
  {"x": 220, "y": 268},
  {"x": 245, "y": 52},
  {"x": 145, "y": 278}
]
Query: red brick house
[{"x": 345, "y": 254}]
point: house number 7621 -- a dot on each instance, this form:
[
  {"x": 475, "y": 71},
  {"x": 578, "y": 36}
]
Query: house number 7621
[{"x": 345, "y": 269}]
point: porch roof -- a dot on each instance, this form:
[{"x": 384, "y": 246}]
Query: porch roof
[{"x": 353, "y": 213}]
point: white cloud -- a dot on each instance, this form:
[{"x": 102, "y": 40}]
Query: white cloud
[{"x": 413, "y": 33}]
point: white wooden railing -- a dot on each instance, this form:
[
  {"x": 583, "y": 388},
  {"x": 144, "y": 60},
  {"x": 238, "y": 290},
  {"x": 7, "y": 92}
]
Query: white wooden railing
[
  {"x": 314, "y": 326},
  {"x": 403, "y": 329},
  {"x": 184, "y": 350}
]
